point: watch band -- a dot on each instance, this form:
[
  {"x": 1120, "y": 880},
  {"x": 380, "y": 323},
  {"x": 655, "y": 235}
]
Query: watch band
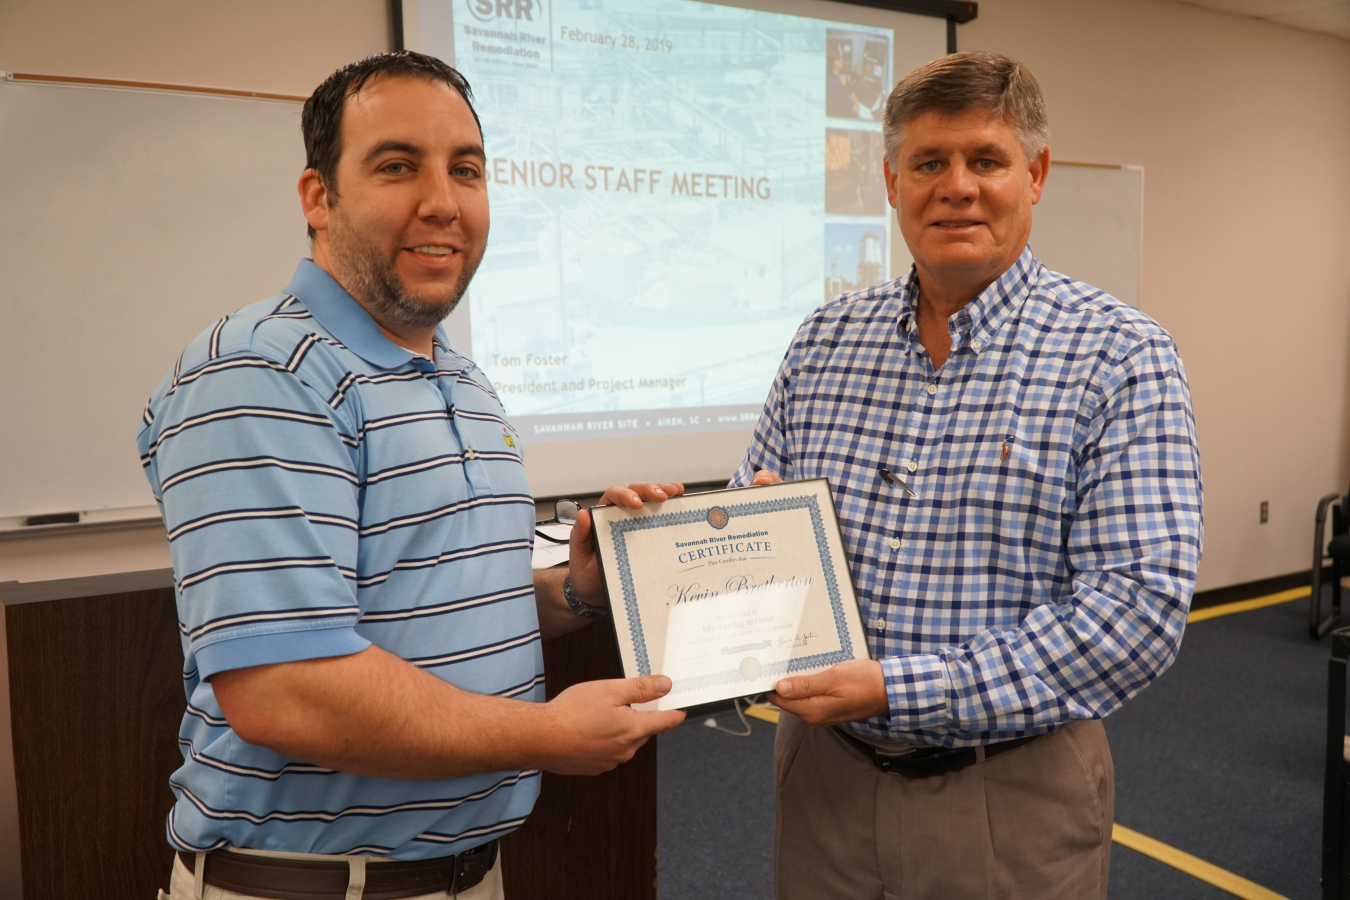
[{"x": 585, "y": 610}]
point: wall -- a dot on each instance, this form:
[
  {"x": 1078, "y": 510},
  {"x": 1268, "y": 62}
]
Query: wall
[
  {"x": 1240, "y": 125},
  {"x": 80, "y": 555},
  {"x": 283, "y": 47}
]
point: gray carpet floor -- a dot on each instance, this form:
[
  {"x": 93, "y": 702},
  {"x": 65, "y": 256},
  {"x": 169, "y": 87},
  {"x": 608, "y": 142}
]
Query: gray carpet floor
[{"x": 1220, "y": 757}]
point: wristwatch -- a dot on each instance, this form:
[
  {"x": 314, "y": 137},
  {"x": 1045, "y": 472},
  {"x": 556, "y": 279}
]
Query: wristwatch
[{"x": 585, "y": 610}]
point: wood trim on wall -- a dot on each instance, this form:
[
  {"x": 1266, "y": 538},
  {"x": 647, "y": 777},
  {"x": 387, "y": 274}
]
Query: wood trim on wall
[{"x": 149, "y": 86}]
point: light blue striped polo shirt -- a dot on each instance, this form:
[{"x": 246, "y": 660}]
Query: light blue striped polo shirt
[{"x": 325, "y": 489}]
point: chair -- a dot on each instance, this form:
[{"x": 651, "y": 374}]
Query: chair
[
  {"x": 1337, "y": 553},
  {"x": 1336, "y": 792}
]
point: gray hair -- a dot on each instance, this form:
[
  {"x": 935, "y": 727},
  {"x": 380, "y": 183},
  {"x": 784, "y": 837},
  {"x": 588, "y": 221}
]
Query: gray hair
[{"x": 961, "y": 82}]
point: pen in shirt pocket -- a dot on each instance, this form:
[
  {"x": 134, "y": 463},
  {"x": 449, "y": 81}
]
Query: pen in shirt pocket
[{"x": 890, "y": 478}]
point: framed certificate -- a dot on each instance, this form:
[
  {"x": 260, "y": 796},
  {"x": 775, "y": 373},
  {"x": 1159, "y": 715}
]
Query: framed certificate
[{"x": 727, "y": 592}]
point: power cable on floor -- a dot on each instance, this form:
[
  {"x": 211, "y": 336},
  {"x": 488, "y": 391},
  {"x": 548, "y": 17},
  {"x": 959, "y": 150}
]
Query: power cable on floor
[{"x": 711, "y": 721}]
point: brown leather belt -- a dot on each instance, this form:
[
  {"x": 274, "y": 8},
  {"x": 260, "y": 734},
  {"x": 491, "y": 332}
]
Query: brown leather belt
[
  {"x": 277, "y": 878},
  {"x": 925, "y": 762}
]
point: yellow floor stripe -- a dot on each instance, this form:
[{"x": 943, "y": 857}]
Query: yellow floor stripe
[
  {"x": 1198, "y": 868},
  {"x": 764, "y": 713},
  {"x": 1126, "y": 837},
  {"x": 1177, "y": 859},
  {"x": 1213, "y": 612}
]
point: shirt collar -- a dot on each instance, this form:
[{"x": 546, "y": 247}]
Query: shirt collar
[
  {"x": 909, "y": 294},
  {"x": 1001, "y": 299},
  {"x": 982, "y": 317},
  {"x": 447, "y": 357},
  {"x": 345, "y": 319}
]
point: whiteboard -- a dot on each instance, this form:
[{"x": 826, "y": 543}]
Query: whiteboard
[
  {"x": 1089, "y": 226},
  {"x": 132, "y": 219}
]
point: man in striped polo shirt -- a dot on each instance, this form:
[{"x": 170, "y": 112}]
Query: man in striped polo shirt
[{"x": 351, "y": 530}]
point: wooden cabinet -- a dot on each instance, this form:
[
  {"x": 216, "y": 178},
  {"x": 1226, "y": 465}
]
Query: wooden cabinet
[{"x": 96, "y": 695}]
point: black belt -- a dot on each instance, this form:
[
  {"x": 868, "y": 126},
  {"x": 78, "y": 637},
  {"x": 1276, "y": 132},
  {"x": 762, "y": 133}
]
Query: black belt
[
  {"x": 278, "y": 878},
  {"x": 925, "y": 762}
]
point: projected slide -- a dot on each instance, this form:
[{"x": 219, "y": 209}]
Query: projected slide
[{"x": 674, "y": 185}]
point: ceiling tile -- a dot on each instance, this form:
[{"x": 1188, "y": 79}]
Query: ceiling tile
[
  {"x": 1261, "y": 8},
  {"x": 1325, "y": 18}
]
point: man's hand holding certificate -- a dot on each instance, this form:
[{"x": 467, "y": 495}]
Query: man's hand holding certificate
[{"x": 728, "y": 592}]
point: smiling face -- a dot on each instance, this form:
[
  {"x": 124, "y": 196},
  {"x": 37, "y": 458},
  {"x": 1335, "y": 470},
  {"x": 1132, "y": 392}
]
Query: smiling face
[
  {"x": 963, "y": 190},
  {"x": 409, "y": 222}
]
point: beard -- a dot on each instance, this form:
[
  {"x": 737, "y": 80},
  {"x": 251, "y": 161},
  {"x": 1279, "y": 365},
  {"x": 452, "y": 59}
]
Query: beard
[{"x": 370, "y": 277}]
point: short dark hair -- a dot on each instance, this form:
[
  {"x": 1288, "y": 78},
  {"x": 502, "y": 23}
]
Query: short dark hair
[
  {"x": 950, "y": 85},
  {"x": 321, "y": 119}
]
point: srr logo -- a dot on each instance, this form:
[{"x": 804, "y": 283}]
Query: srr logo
[{"x": 487, "y": 10}]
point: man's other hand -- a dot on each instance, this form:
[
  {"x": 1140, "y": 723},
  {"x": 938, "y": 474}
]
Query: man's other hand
[
  {"x": 847, "y": 692},
  {"x": 639, "y": 491},
  {"x": 594, "y": 728},
  {"x": 582, "y": 565},
  {"x": 764, "y": 476}
]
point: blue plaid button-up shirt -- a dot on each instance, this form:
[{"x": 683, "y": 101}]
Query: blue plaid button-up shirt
[{"x": 1044, "y": 569}]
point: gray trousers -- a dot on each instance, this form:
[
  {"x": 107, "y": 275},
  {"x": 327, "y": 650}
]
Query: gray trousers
[{"x": 1034, "y": 822}]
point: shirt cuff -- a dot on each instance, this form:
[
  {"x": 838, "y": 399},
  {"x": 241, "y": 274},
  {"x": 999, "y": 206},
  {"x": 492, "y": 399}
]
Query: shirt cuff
[
  {"x": 279, "y": 647},
  {"x": 916, "y": 688}
]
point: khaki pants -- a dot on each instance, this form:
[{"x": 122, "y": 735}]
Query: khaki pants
[
  {"x": 1034, "y": 822},
  {"x": 183, "y": 884}
]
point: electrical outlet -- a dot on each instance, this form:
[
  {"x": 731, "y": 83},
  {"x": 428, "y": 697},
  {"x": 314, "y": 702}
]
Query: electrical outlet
[{"x": 1265, "y": 511}]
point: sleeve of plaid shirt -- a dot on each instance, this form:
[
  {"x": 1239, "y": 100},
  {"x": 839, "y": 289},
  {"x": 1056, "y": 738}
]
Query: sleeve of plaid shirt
[{"x": 1133, "y": 548}]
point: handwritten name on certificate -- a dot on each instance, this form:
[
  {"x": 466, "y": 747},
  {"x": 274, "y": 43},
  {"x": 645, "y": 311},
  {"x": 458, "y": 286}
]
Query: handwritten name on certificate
[{"x": 729, "y": 591}]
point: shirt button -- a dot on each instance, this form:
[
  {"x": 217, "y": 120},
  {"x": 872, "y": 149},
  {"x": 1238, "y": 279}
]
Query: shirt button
[
  {"x": 469, "y": 454},
  {"x": 932, "y": 389},
  {"x": 895, "y": 543},
  {"x": 912, "y": 466},
  {"x": 976, "y": 345},
  {"x": 879, "y": 624}
]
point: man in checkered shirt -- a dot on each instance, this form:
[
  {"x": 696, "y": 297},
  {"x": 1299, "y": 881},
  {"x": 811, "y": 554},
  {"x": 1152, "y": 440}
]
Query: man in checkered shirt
[{"x": 1013, "y": 458}]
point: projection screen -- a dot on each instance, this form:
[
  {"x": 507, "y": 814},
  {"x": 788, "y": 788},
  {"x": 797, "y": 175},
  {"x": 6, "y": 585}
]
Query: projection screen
[{"x": 674, "y": 184}]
